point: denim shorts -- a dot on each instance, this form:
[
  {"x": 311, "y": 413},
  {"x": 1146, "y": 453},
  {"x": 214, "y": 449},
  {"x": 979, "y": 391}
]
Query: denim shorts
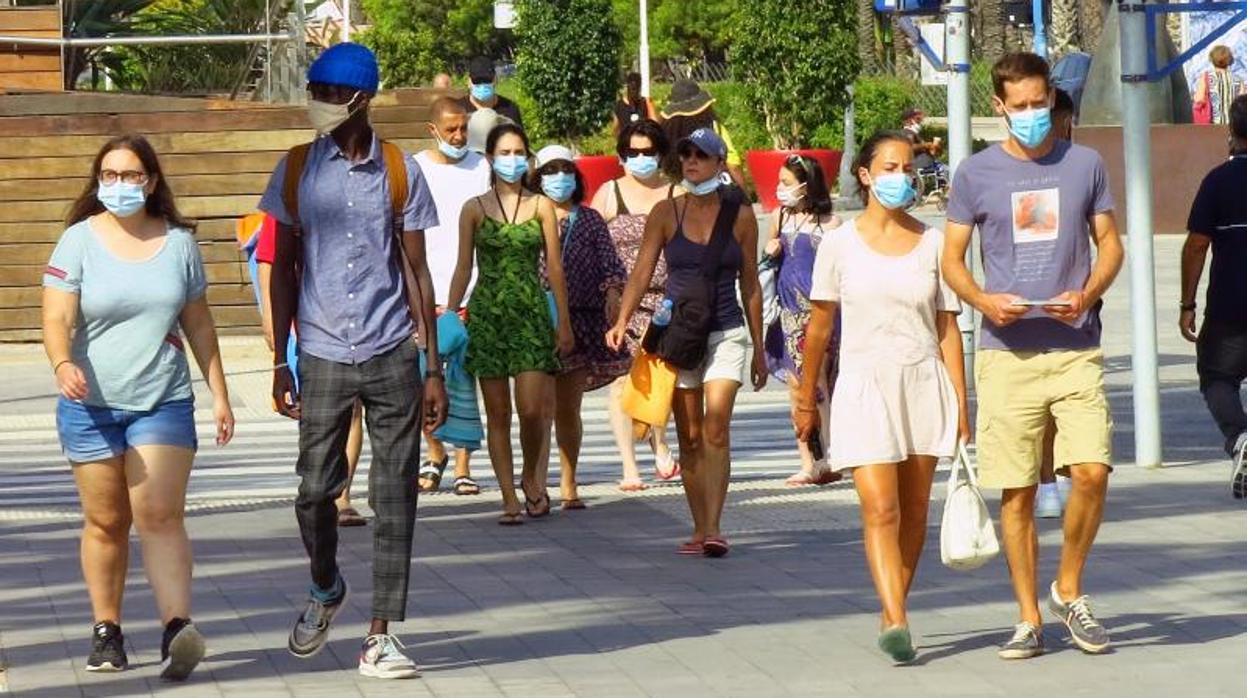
[{"x": 89, "y": 433}]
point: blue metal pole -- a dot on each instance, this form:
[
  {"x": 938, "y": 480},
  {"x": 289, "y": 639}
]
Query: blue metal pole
[
  {"x": 1041, "y": 29},
  {"x": 957, "y": 58}
]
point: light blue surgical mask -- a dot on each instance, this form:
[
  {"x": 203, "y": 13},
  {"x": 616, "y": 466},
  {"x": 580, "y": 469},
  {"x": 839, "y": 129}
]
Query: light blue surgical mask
[
  {"x": 559, "y": 186},
  {"x": 122, "y": 199},
  {"x": 453, "y": 152},
  {"x": 511, "y": 168},
  {"x": 483, "y": 92},
  {"x": 894, "y": 190},
  {"x": 705, "y": 188},
  {"x": 1031, "y": 127},
  {"x": 642, "y": 166}
]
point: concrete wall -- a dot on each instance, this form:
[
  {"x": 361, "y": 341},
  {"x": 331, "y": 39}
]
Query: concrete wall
[{"x": 1181, "y": 156}]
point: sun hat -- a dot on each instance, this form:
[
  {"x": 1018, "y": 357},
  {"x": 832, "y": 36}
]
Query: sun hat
[
  {"x": 347, "y": 65},
  {"x": 687, "y": 98}
]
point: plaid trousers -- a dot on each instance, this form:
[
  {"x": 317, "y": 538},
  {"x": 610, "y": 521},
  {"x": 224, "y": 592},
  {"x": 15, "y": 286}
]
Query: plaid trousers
[{"x": 390, "y": 389}]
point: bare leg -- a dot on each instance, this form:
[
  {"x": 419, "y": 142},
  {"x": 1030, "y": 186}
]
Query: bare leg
[
  {"x": 534, "y": 395},
  {"x": 354, "y": 447},
  {"x": 878, "y": 490},
  {"x": 1021, "y": 544},
  {"x": 1082, "y": 522},
  {"x": 105, "y": 546},
  {"x": 568, "y": 429},
  {"x": 497, "y": 395},
  {"x": 687, "y": 405},
  {"x": 720, "y": 398},
  {"x": 803, "y": 449},
  {"x": 914, "y": 479},
  {"x": 621, "y": 427},
  {"x": 463, "y": 463},
  {"x": 157, "y": 476}
]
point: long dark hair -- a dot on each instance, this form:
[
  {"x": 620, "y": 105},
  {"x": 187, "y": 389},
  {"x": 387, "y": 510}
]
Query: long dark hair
[
  {"x": 160, "y": 202},
  {"x": 866, "y": 155},
  {"x": 817, "y": 198}
]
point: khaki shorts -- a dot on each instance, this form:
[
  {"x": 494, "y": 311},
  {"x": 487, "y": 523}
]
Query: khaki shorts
[
  {"x": 727, "y": 358},
  {"x": 1017, "y": 393}
]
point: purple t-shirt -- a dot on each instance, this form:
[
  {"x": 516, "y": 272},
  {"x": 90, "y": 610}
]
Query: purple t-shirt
[{"x": 1034, "y": 225}]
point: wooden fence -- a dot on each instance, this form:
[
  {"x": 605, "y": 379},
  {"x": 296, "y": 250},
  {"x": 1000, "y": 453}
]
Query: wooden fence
[
  {"x": 217, "y": 155},
  {"x": 30, "y": 67}
]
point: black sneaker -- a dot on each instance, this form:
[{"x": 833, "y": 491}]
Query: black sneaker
[
  {"x": 108, "y": 651},
  {"x": 181, "y": 648}
]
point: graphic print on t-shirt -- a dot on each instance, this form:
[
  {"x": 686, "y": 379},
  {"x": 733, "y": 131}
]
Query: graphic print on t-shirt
[{"x": 1036, "y": 216}]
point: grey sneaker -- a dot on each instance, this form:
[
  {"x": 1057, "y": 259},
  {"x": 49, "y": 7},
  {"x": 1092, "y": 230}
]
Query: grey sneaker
[
  {"x": 1238, "y": 472},
  {"x": 1084, "y": 629},
  {"x": 311, "y": 630},
  {"x": 382, "y": 658},
  {"x": 1027, "y": 642}
]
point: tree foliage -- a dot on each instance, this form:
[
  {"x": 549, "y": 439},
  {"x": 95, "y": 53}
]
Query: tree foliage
[
  {"x": 416, "y": 40},
  {"x": 567, "y": 57},
  {"x": 90, "y": 19},
  {"x": 697, "y": 31},
  {"x": 795, "y": 61}
]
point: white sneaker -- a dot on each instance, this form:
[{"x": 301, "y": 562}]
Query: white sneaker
[
  {"x": 1048, "y": 504},
  {"x": 1238, "y": 473},
  {"x": 382, "y": 658}
]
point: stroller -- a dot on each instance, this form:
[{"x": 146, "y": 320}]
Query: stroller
[{"x": 933, "y": 183}]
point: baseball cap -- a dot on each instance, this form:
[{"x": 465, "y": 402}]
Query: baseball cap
[
  {"x": 707, "y": 141},
  {"x": 346, "y": 64}
]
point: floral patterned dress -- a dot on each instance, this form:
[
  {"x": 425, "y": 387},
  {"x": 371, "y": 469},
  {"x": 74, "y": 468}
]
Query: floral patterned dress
[
  {"x": 591, "y": 267},
  {"x": 785, "y": 338},
  {"x": 509, "y": 328},
  {"x": 627, "y": 230}
]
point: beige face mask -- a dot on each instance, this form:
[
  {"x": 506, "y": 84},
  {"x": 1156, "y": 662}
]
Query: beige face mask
[{"x": 326, "y": 117}]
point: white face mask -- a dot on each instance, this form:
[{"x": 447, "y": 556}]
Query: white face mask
[
  {"x": 790, "y": 196},
  {"x": 326, "y": 117}
]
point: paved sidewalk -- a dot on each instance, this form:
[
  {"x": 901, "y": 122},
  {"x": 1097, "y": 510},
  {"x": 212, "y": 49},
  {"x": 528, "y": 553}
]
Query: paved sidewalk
[{"x": 596, "y": 603}]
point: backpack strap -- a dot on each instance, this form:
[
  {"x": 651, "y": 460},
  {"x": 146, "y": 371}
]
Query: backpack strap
[
  {"x": 296, "y": 161},
  {"x": 396, "y": 174}
]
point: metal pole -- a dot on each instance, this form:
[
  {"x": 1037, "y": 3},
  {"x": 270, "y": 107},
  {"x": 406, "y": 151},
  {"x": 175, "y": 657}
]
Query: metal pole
[
  {"x": 643, "y": 58},
  {"x": 1136, "y": 130},
  {"x": 346, "y": 20},
  {"x": 1041, "y": 29},
  {"x": 144, "y": 40},
  {"x": 268, "y": 51},
  {"x": 850, "y": 189},
  {"x": 957, "y": 58}
]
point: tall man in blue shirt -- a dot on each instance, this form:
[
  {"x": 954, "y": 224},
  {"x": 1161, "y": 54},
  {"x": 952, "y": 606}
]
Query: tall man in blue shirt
[{"x": 355, "y": 333}]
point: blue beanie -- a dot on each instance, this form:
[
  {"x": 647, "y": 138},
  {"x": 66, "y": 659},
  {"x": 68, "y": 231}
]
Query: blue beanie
[{"x": 348, "y": 65}]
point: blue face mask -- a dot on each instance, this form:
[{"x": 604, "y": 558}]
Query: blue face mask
[
  {"x": 122, "y": 199},
  {"x": 642, "y": 166},
  {"x": 894, "y": 190},
  {"x": 705, "y": 188},
  {"x": 1031, "y": 127},
  {"x": 511, "y": 168},
  {"x": 559, "y": 186},
  {"x": 483, "y": 92},
  {"x": 453, "y": 152}
]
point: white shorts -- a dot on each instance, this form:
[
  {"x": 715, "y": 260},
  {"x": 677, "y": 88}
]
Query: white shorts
[{"x": 727, "y": 358}]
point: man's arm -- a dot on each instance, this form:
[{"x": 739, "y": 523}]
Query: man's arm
[
  {"x": 1194, "y": 255},
  {"x": 996, "y": 307},
  {"x": 284, "y": 301},
  {"x": 435, "y": 401}
]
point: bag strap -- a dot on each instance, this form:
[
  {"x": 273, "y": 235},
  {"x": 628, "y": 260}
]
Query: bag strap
[
  {"x": 296, "y": 161},
  {"x": 724, "y": 224},
  {"x": 962, "y": 464},
  {"x": 396, "y": 174}
]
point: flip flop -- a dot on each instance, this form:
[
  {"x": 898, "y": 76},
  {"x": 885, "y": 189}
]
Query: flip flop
[
  {"x": 433, "y": 473},
  {"x": 632, "y": 484},
  {"x": 573, "y": 504},
  {"x": 509, "y": 519},
  {"x": 801, "y": 479},
  {"x": 350, "y": 517},
  {"x": 537, "y": 508},
  {"x": 465, "y": 485},
  {"x": 691, "y": 548},
  {"x": 715, "y": 547}
]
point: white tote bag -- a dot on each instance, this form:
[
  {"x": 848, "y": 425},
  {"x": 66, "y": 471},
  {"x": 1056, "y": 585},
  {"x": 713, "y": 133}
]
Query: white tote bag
[{"x": 967, "y": 535}]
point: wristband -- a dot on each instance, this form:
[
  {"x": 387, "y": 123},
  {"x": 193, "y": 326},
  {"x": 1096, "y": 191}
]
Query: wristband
[
  {"x": 433, "y": 373},
  {"x": 1187, "y": 306},
  {"x": 60, "y": 363}
]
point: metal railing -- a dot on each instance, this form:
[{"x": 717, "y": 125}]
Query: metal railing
[{"x": 184, "y": 40}]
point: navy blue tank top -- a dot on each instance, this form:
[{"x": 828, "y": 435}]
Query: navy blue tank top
[{"x": 684, "y": 264}]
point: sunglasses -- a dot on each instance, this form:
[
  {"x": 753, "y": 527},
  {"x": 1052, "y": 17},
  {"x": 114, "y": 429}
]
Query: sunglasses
[
  {"x": 558, "y": 166},
  {"x": 689, "y": 152},
  {"x": 799, "y": 161},
  {"x": 637, "y": 152}
]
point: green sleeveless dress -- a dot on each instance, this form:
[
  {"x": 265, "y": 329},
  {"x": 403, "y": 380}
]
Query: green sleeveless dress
[{"x": 509, "y": 328}]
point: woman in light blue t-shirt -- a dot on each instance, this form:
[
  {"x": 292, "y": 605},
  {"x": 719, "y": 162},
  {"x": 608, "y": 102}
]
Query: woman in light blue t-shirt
[{"x": 123, "y": 286}]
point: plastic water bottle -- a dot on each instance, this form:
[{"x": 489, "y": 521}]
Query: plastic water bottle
[{"x": 662, "y": 316}]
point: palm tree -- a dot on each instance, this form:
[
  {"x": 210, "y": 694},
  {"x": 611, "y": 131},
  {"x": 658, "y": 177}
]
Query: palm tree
[
  {"x": 867, "y": 36},
  {"x": 989, "y": 22},
  {"x": 1091, "y": 21},
  {"x": 1063, "y": 32},
  {"x": 89, "y": 19}
]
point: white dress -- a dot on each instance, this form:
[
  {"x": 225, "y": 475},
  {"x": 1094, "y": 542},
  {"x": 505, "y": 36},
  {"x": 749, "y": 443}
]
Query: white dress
[{"x": 894, "y": 397}]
